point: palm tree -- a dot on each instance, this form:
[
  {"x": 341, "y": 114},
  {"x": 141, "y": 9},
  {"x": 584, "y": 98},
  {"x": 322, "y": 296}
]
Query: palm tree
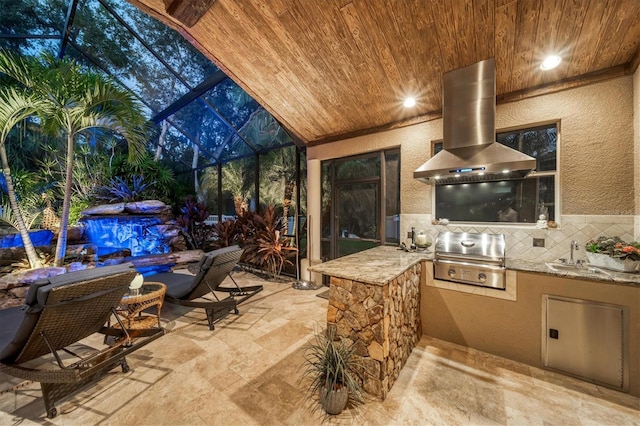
[
  {"x": 233, "y": 180},
  {"x": 16, "y": 106},
  {"x": 75, "y": 100}
]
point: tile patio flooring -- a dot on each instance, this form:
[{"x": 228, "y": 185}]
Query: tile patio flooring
[{"x": 246, "y": 372}]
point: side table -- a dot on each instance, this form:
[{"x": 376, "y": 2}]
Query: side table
[{"x": 132, "y": 306}]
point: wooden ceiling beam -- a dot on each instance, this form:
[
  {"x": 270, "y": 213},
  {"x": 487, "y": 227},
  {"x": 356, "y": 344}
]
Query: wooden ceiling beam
[
  {"x": 188, "y": 12},
  {"x": 568, "y": 83}
]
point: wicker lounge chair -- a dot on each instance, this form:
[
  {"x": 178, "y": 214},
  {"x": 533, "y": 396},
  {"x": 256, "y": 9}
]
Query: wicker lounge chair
[
  {"x": 59, "y": 312},
  {"x": 198, "y": 290}
]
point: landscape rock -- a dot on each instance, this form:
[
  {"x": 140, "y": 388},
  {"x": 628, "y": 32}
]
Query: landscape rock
[
  {"x": 10, "y": 303},
  {"x": 146, "y": 207},
  {"x": 20, "y": 278},
  {"x": 75, "y": 233},
  {"x": 104, "y": 209},
  {"x": 18, "y": 292}
]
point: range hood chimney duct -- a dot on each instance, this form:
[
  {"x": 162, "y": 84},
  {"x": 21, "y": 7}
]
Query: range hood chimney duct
[{"x": 470, "y": 152}]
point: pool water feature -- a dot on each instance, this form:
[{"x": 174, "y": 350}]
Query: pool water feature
[{"x": 142, "y": 235}]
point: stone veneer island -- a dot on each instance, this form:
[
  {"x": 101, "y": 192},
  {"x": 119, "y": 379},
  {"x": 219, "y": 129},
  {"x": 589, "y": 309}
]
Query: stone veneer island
[{"x": 374, "y": 303}]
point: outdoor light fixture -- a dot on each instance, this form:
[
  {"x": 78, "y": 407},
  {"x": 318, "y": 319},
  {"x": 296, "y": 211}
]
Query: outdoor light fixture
[
  {"x": 409, "y": 102},
  {"x": 550, "y": 62}
]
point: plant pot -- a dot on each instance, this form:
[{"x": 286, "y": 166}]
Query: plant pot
[
  {"x": 333, "y": 401},
  {"x": 608, "y": 262}
]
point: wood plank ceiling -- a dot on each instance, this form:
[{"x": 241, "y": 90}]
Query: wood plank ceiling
[{"x": 332, "y": 69}]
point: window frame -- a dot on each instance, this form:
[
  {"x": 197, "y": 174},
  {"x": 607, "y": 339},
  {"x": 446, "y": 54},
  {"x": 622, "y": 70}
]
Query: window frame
[{"x": 533, "y": 175}]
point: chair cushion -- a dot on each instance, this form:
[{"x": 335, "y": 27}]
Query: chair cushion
[
  {"x": 178, "y": 285},
  {"x": 17, "y": 325},
  {"x": 207, "y": 260}
]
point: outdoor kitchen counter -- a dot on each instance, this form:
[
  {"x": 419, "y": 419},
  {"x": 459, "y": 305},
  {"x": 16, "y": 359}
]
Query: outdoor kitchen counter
[
  {"x": 374, "y": 302},
  {"x": 612, "y": 277},
  {"x": 377, "y": 266}
]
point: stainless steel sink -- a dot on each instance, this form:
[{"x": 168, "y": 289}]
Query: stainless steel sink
[{"x": 585, "y": 269}]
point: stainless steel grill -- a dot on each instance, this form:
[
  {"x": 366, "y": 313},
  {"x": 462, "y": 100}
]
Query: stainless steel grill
[{"x": 470, "y": 258}]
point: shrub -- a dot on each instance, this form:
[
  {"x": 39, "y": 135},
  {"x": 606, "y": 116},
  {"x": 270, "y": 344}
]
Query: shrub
[{"x": 119, "y": 190}]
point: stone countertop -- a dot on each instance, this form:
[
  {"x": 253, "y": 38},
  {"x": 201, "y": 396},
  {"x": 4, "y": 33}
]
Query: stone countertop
[
  {"x": 377, "y": 266},
  {"x": 381, "y": 264},
  {"x": 541, "y": 268}
]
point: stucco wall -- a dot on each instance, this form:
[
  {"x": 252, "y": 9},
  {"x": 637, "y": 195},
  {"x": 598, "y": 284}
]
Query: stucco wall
[
  {"x": 636, "y": 137},
  {"x": 596, "y": 153}
]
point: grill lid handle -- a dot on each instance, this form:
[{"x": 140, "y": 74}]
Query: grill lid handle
[{"x": 467, "y": 243}]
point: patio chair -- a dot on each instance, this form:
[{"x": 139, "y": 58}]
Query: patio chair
[
  {"x": 199, "y": 291},
  {"x": 58, "y": 313}
]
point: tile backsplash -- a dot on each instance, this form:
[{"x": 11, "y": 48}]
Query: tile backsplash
[{"x": 519, "y": 238}]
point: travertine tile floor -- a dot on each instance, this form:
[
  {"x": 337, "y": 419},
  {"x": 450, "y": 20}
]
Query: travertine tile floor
[{"x": 246, "y": 372}]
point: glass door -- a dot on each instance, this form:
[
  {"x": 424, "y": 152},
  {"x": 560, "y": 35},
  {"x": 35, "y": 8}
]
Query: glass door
[{"x": 357, "y": 217}]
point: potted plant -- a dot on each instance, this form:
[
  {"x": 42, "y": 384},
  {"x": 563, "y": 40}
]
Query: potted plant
[
  {"x": 614, "y": 253},
  {"x": 332, "y": 367}
]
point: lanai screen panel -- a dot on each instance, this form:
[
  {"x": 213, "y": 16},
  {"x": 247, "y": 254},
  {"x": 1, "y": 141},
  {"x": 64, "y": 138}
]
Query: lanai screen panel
[{"x": 158, "y": 65}]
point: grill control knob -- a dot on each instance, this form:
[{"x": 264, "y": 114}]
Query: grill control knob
[
  {"x": 452, "y": 272},
  {"x": 482, "y": 277}
]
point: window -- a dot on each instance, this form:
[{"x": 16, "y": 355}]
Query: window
[{"x": 521, "y": 200}]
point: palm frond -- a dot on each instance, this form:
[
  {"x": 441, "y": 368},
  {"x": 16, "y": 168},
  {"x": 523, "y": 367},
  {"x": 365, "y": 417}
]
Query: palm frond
[
  {"x": 30, "y": 216},
  {"x": 15, "y": 106}
]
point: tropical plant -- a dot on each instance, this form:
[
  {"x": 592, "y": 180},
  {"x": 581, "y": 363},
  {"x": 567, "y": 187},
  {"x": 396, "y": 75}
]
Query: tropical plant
[
  {"x": 119, "y": 190},
  {"x": 69, "y": 101},
  {"x": 151, "y": 170},
  {"x": 90, "y": 170},
  {"x": 16, "y": 106},
  {"x": 265, "y": 246},
  {"x": 191, "y": 220},
  {"x": 234, "y": 180},
  {"x": 278, "y": 178},
  {"x": 29, "y": 215},
  {"x": 77, "y": 206},
  {"x": 225, "y": 233},
  {"x": 332, "y": 366}
]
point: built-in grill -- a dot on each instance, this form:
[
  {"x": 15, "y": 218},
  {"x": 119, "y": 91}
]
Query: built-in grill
[{"x": 470, "y": 258}]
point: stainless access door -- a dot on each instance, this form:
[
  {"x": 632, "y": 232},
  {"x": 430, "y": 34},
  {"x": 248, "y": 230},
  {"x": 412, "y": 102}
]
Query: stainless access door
[{"x": 587, "y": 339}]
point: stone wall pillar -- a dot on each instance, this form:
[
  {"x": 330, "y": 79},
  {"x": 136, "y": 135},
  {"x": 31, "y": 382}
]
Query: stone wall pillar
[{"x": 382, "y": 321}]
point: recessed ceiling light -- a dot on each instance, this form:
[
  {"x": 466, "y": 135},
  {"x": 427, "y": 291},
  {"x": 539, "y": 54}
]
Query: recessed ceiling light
[
  {"x": 409, "y": 102},
  {"x": 550, "y": 62},
  {"x": 505, "y": 171}
]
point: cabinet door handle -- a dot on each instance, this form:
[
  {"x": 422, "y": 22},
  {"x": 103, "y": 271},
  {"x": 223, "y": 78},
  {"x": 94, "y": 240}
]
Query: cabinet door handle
[{"x": 553, "y": 333}]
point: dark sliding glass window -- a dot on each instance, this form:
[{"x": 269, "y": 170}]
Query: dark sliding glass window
[{"x": 521, "y": 200}]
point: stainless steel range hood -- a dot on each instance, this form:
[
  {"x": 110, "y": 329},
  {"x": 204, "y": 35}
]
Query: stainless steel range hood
[{"x": 470, "y": 152}]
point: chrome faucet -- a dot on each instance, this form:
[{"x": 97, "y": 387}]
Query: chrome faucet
[{"x": 574, "y": 246}]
